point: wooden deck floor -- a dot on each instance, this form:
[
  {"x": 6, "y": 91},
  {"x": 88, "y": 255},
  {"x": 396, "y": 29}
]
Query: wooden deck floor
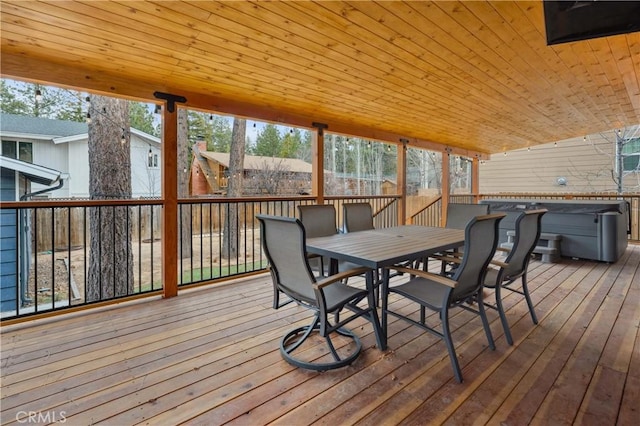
[{"x": 210, "y": 356}]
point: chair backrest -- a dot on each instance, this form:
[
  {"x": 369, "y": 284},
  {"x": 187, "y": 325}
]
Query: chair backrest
[
  {"x": 319, "y": 220},
  {"x": 284, "y": 243},
  {"x": 357, "y": 217},
  {"x": 459, "y": 214},
  {"x": 528, "y": 226},
  {"x": 480, "y": 242}
]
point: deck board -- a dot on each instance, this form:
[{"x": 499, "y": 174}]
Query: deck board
[{"x": 210, "y": 356}]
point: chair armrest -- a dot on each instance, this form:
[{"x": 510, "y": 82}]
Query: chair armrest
[
  {"x": 427, "y": 275},
  {"x": 450, "y": 259},
  {"x": 499, "y": 263},
  {"x": 505, "y": 250},
  {"x": 339, "y": 277}
]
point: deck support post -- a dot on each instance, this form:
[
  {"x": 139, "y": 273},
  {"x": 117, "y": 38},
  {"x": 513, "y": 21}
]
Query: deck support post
[
  {"x": 169, "y": 193},
  {"x": 446, "y": 187},
  {"x": 401, "y": 178},
  {"x": 475, "y": 179},
  {"x": 317, "y": 163}
]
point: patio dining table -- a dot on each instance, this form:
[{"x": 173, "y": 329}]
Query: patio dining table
[{"x": 377, "y": 248}]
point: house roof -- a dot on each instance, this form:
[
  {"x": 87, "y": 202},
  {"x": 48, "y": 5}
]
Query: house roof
[
  {"x": 476, "y": 77},
  {"x": 38, "y": 127},
  {"x": 58, "y": 131},
  {"x": 254, "y": 162},
  {"x": 33, "y": 172}
]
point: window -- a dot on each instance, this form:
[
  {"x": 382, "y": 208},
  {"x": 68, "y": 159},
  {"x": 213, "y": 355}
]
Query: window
[
  {"x": 25, "y": 152},
  {"x": 9, "y": 149},
  {"x": 631, "y": 155},
  {"x": 152, "y": 160},
  {"x": 19, "y": 150}
]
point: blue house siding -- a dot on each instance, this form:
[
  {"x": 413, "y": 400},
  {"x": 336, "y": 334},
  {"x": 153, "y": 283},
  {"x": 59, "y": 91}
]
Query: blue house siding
[{"x": 8, "y": 244}]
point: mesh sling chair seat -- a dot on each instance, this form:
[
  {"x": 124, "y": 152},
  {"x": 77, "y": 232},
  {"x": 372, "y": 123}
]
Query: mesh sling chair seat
[
  {"x": 284, "y": 243},
  {"x": 357, "y": 217},
  {"x": 319, "y": 220},
  {"x": 527, "y": 232},
  {"x": 440, "y": 294},
  {"x": 458, "y": 215}
]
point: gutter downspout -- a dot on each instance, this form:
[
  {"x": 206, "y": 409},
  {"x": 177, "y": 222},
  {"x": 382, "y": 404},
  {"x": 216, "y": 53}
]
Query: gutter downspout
[{"x": 25, "y": 247}]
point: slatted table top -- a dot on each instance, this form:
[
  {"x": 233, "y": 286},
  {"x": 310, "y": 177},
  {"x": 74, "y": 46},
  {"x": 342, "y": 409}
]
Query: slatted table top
[{"x": 377, "y": 248}]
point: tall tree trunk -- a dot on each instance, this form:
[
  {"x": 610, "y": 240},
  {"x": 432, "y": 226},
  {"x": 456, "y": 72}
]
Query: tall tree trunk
[
  {"x": 111, "y": 257},
  {"x": 234, "y": 188},
  {"x": 183, "y": 184}
]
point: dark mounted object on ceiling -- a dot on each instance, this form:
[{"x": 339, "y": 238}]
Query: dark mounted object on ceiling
[
  {"x": 171, "y": 100},
  {"x": 567, "y": 21}
]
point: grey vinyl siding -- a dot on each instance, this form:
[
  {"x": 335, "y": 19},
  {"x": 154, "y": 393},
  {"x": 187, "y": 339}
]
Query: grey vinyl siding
[
  {"x": 8, "y": 244},
  {"x": 586, "y": 166}
]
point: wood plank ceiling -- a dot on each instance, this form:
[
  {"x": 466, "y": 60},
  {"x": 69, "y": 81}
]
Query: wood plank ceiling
[{"x": 474, "y": 76}]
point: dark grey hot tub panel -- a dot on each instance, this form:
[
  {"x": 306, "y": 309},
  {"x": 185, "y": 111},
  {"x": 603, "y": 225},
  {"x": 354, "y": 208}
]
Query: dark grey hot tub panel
[{"x": 594, "y": 230}]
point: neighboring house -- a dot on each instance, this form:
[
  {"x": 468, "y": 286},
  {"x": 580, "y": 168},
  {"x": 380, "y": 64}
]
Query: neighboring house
[
  {"x": 262, "y": 175},
  {"x": 16, "y": 181},
  {"x": 584, "y": 164},
  {"x": 62, "y": 145}
]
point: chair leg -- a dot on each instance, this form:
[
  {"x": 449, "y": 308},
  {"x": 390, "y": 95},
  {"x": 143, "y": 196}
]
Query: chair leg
[
  {"x": 503, "y": 316},
  {"x": 300, "y": 334},
  {"x": 525, "y": 290},
  {"x": 276, "y": 298},
  {"x": 446, "y": 334},
  {"x": 485, "y": 322}
]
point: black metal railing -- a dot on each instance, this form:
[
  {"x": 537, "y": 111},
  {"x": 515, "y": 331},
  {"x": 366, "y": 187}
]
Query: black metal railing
[
  {"x": 58, "y": 255},
  {"x": 50, "y": 261},
  {"x": 209, "y": 254}
]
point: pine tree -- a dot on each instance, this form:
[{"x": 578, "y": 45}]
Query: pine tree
[
  {"x": 268, "y": 142},
  {"x": 111, "y": 254},
  {"x": 234, "y": 189}
]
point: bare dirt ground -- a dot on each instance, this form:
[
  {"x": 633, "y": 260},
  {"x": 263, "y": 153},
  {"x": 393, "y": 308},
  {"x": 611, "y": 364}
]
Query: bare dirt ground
[{"x": 147, "y": 267}]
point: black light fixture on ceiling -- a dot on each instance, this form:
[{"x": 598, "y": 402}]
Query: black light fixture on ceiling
[{"x": 567, "y": 21}]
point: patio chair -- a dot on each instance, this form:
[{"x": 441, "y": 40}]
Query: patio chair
[
  {"x": 440, "y": 294},
  {"x": 284, "y": 242},
  {"x": 357, "y": 217},
  {"x": 527, "y": 233},
  {"x": 458, "y": 215},
  {"x": 319, "y": 220}
]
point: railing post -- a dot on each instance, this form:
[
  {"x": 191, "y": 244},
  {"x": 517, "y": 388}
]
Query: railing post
[{"x": 317, "y": 163}]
